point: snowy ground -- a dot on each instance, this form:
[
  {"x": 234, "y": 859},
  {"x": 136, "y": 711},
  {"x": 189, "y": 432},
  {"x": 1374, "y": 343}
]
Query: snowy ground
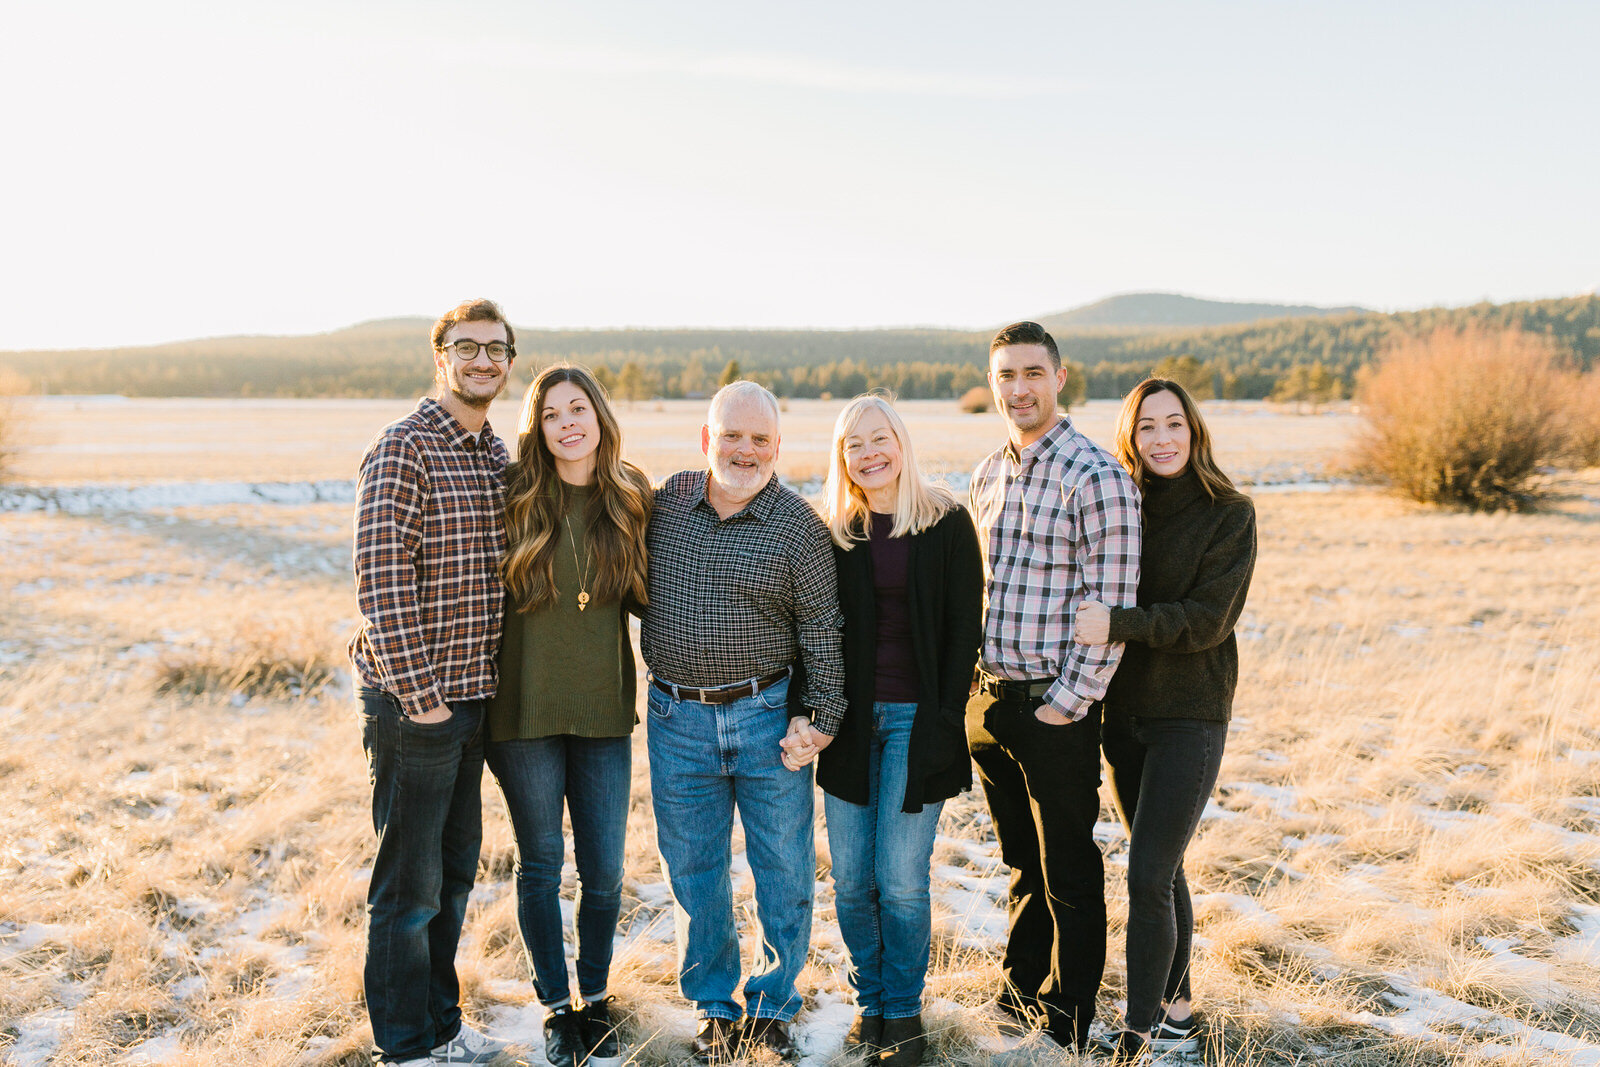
[{"x": 287, "y": 531}]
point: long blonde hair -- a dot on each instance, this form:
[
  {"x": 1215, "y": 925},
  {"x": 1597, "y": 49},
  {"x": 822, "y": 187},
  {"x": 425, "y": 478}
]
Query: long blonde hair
[
  {"x": 918, "y": 503},
  {"x": 1215, "y": 483},
  {"x": 537, "y": 498}
]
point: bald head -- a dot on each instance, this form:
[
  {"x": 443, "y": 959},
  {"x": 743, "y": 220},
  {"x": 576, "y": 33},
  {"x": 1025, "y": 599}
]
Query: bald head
[
  {"x": 742, "y": 393},
  {"x": 740, "y": 439}
]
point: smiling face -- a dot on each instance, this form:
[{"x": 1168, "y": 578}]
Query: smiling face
[
  {"x": 570, "y": 429},
  {"x": 1025, "y": 382},
  {"x": 1162, "y": 435},
  {"x": 872, "y": 460},
  {"x": 741, "y": 441},
  {"x": 471, "y": 383}
]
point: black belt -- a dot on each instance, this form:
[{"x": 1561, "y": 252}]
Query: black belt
[
  {"x": 1006, "y": 690},
  {"x": 725, "y": 694}
]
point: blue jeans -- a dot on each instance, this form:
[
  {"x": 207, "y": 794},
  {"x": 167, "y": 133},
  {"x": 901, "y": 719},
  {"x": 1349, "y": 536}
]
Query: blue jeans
[
  {"x": 881, "y": 858},
  {"x": 428, "y": 813},
  {"x": 706, "y": 760},
  {"x": 590, "y": 776}
]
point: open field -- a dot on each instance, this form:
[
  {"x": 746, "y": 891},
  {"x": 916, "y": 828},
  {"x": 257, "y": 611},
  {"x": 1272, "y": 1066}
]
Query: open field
[
  {"x": 1402, "y": 864},
  {"x": 139, "y": 441}
]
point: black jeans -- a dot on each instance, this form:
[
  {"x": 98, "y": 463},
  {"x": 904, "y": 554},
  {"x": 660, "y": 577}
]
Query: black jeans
[
  {"x": 1042, "y": 783},
  {"x": 428, "y": 814},
  {"x": 1162, "y": 772}
]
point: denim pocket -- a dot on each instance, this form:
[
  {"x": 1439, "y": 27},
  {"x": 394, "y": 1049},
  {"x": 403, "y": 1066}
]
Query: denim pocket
[
  {"x": 657, "y": 703},
  {"x": 775, "y": 696}
]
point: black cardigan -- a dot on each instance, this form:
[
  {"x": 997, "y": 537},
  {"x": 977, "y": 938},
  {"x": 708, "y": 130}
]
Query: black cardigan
[
  {"x": 944, "y": 583},
  {"x": 1182, "y": 660}
]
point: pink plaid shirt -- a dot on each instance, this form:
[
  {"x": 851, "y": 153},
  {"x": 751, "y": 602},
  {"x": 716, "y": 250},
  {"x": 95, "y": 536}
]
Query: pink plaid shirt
[{"x": 1059, "y": 524}]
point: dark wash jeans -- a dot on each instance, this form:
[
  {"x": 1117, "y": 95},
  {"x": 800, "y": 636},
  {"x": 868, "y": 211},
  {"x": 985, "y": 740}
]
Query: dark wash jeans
[
  {"x": 1042, "y": 783},
  {"x": 1162, "y": 773},
  {"x": 428, "y": 813},
  {"x": 590, "y": 777}
]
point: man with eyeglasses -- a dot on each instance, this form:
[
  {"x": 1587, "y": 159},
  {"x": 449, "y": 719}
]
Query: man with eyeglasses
[{"x": 428, "y": 544}]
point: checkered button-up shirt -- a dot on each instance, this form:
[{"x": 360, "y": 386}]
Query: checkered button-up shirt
[
  {"x": 1059, "y": 524},
  {"x": 430, "y": 534},
  {"x": 743, "y": 597}
]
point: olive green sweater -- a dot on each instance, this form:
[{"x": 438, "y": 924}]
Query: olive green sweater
[
  {"x": 1181, "y": 659},
  {"x": 565, "y": 671}
]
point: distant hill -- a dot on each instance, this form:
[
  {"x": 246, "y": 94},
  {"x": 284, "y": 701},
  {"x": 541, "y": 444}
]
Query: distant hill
[
  {"x": 390, "y": 357},
  {"x": 1145, "y": 311}
]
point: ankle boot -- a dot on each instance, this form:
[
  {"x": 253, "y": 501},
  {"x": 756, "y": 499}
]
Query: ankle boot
[
  {"x": 903, "y": 1042},
  {"x": 866, "y": 1035}
]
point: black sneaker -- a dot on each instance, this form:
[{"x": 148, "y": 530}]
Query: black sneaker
[
  {"x": 563, "y": 1038},
  {"x": 1169, "y": 1036},
  {"x": 600, "y": 1039},
  {"x": 1122, "y": 1048}
]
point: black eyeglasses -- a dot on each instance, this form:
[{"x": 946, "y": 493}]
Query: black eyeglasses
[{"x": 467, "y": 351}]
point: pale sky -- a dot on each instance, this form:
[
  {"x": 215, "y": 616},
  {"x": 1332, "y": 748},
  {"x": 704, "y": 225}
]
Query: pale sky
[{"x": 178, "y": 170}]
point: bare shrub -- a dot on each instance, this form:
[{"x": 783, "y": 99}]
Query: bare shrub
[
  {"x": 975, "y": 401},
  {"x": 1463, "y": 417},
  {"x": 11, "y": 384},
  {"x": 1583, "y": 421}
]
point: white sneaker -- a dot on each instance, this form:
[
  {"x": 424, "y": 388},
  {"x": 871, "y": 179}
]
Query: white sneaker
[
  {"x": 421, "y": 1061},
  {"x": 468, "y": 1046}
]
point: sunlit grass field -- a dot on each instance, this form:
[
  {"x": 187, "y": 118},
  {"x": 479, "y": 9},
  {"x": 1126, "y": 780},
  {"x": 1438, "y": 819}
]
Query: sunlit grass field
[{"x": 1402, "y": 864}]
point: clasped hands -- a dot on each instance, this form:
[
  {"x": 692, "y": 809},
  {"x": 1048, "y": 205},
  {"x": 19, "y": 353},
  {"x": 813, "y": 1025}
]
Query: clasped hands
[{"x": 803, "y": 743}]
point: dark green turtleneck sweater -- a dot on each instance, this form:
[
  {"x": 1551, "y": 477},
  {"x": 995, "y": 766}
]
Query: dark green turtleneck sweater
[
  {"x": 565, "y": 671},
  {"x": 1181, "y": 660}
]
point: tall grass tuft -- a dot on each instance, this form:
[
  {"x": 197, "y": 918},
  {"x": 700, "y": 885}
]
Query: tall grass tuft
[
  {"x": 273, "y": 657},
  {"x": 1464, "y": 417}
]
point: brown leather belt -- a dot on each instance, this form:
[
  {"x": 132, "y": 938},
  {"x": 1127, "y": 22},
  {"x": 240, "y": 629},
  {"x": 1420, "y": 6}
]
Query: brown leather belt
[
  {"x": 1002, "y": 689},
  {"x": 725, "y": 694}
]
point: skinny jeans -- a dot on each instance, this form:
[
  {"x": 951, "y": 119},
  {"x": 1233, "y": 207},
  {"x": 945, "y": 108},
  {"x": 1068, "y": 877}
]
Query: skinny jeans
[
  {"x": 589, "y": 778},
  {"x": 881, "y": 857},
  {"x": 1162, "y": 772}
]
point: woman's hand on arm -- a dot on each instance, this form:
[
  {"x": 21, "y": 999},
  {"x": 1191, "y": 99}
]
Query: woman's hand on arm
[{"x": 1092, "y": 624}]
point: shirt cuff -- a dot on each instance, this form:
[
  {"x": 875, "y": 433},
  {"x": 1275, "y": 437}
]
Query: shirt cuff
[{"x": 1067, "y": 702}]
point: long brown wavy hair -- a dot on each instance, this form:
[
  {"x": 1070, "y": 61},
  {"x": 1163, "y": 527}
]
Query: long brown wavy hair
[
  {"x": 537, "y": 498},
  {"x": 1204, "y": 464}
]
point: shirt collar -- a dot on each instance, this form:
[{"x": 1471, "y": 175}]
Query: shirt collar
[
  {"x": 452, "y": 431},
  {"x": 759, "y": 506},
  {"x": 1046, "y": 442}
]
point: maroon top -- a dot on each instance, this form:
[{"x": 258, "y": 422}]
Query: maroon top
[{"x": 896, "y": 680}]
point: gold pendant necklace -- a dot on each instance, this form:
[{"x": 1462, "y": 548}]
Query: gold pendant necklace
[{"x": 583, "y": 567}]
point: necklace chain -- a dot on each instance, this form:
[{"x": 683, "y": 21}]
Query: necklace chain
[{"x": 583, "y": 566}]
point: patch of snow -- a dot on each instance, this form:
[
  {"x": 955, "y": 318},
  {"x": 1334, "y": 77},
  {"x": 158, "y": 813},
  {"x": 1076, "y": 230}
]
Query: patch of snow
[
  {"x": 38, "y": 1036},
  {"x": 97, "y": 497}
]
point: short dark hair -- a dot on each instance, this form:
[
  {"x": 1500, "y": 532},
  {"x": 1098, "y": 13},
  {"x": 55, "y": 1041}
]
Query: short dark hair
[
  {"x": 1027, "y": 333},
  {"x": 479, "y": 310}
]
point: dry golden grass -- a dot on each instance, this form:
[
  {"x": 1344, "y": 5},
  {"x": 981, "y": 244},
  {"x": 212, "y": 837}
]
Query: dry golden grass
[{"x": 1408, "y": 818}]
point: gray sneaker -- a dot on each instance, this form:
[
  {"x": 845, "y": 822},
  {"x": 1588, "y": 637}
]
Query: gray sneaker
[{"x": 469, "y": 1046}]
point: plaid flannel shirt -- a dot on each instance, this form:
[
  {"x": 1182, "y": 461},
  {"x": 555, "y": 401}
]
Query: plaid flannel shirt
[
  {"x": 1059, "y": 524},
  {"x": 430, "y": 534}
]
